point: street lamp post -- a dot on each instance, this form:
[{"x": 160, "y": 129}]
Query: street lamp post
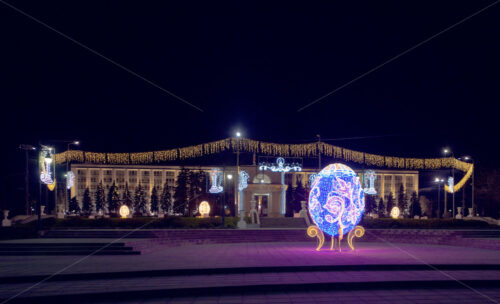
[
  {"x": 76, "y": 143},
  {"x": 26, "y": 149},
  {"x": 468, "y": 158},
  {"x": 237, "y": 197},
  {"x": 439, "y": 181},
  {"x": 446, "y": 151}
]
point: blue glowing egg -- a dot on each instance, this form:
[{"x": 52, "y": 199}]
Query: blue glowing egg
[{"x": 336, "y": 199}]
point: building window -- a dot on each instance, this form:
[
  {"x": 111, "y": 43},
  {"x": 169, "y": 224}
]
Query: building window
[{"x": 132, "y": 173}]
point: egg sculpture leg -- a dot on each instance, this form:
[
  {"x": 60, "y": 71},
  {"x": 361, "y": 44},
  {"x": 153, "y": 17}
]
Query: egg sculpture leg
[
  {"x": 358, "y": 231},
  {"x": 314, "y": 231}
]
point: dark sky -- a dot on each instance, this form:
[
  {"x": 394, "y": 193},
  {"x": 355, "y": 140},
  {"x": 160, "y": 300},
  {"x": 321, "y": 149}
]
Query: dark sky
[{"x": 251, "y": 65}]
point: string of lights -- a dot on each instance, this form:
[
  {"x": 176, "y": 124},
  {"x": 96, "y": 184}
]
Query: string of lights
[{"x": 264, "y": 148}]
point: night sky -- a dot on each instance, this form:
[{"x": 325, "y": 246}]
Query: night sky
[{"x": 251, "y": 65}]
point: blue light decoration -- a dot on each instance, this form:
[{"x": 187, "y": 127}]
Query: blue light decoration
[
  {"x": 311, "y": 179},
  {"x": 336, "y": 204},
  {"x": 243, "y": 180},
  {"x": 216, "y": 179},
  {"x": 451, "y": 184},
  {"x": 70, "y": 180},
  {"x": 242, "y": 185},
  {"x": 370, "y": 177}
]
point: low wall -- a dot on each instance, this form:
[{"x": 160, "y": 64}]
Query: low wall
[{"x": 182, "y": 237}]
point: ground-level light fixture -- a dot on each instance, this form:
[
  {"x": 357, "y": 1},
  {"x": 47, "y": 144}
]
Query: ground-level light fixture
[
  {"x": 204, "y": 209},
  {"x": 395, "y": 212},
  {"x": 124, "y": 211}
]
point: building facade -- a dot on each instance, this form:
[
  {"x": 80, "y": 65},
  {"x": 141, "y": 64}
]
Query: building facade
[{"x": 264, "y": 187}]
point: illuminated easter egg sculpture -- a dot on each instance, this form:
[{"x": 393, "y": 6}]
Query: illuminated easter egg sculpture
[{"x": 336, "y": 205}]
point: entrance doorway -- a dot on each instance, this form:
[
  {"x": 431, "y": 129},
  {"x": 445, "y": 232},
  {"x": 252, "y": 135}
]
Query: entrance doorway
[{"x": 262, "y": 204}]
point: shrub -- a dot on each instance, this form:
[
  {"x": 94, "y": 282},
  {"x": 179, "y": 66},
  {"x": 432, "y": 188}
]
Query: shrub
[{"x": 385, "y": 223}]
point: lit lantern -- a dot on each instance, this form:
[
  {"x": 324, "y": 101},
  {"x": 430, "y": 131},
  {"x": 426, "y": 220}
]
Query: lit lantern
[
  {"x": 124, "y": 211},
  {"x": 395, "y": 212},
  {"x": 204, "y": 209}
]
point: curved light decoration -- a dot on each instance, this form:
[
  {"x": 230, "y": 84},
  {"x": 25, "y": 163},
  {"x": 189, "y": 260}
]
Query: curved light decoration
[
  {"x": 370, "y": 177},
  {"x": 336, "y": 202},
  {"x": 124, "y": 211},
  {"x": 216, "y": 179},
  {"x": 243, "y": 180},
  {"x": 70, "y": 180},
  {"x": 462, "y": 182}
]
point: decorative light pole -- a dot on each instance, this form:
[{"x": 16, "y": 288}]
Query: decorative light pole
[
  {"x": 281, "y": 167},
  {"x": 68, "y": 175},
  {"x": 439, "y": 181},
  {"x": 447, "y": 151},
  {"x": 236, "y": 194}
]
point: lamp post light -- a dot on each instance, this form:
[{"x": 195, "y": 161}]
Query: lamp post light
[
  {"x": 445, "y": 152},
  {"x": 26, "y": 149},
  {"x": 467, "y": 159},
  {"x": 76, "y": 143},
  {"x": 237, "y": 197},
  {"x": 439, "y": 181}
]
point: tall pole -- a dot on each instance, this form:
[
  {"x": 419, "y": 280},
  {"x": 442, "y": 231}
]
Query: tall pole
[
  {"x": 439, "y": 200},
  {"x": 319, "y": 152},
  {"x": 26, "y": 183},
  {"x": 237, "y": 194},
  {"x": 453, "y": 175},
  {"x": 473, "y": 204},
  {"x": 66, "y": 203}
]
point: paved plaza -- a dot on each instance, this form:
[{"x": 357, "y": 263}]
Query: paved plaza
[{"x": 260, "y": 273}]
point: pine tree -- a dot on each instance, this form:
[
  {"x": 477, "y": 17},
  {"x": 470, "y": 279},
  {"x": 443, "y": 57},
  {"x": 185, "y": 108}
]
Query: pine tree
[
  {"x": 139, "y": 200},
  {"x": 403, "y": 200},
  {"x": 100, "y": 200},
  {"x": 390, "y": 203},
  {"x": 166, "y": 199},
  {"x": 415, "y": 207},
  {"x": 300, "y": 194},
  {"x": 87, "y": 204},
  {"x": 73, "y": 205},
  {"x": 381, "y": 208},
  {"x": 154, "y": 200},
  {"x": 370, "y": 204},
  {"x": 181, "y": 191},
  {"x": 127, "y": 197},
  {"x": 195, "y": 188},
  {"x": 113, "y": 199}
]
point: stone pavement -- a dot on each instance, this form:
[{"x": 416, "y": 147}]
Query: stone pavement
[
  {"x": 249, "y": 255},
  {"x": 401, "y": 296},
  {"x": 241, "y": 282}
]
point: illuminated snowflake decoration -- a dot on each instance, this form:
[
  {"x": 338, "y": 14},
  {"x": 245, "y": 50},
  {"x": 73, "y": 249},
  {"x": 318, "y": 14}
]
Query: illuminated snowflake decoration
[
  {"x": 336, "y": 199},
  {"x": 47, "y": 164}
]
